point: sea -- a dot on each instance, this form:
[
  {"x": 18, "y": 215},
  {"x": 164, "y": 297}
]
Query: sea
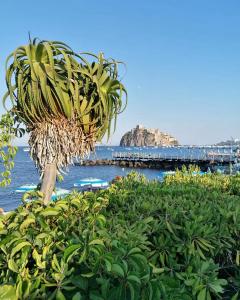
[{"x": 24, "y": 171}]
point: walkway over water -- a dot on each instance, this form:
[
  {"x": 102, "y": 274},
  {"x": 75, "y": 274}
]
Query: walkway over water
[{"x": 208, "y": 158}]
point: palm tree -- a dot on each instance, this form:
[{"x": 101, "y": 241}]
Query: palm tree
[{"x": 65, "y": 102}]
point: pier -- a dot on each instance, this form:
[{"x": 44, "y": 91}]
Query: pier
[
  {"x": 171, "y": 162},
  {"x": 164, "y": 161},
  {"x": 224, "y": 158}
]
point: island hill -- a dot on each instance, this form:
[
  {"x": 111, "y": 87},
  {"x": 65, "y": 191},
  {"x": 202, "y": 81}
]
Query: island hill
[{"x": 141, "y": 136}]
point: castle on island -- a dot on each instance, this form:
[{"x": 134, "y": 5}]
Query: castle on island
[{"x": 142, "y": 136}]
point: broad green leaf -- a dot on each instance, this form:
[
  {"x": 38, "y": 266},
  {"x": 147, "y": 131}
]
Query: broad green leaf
[
  {"x": 88, "y": 275},
  {"x": 156, "y": 270},
  {"x": 38, "y": 259},
  {"x": 70, "y": 251},
  {"x": 117, "y": 269},
  {"x": 26, "y": 223},
  {"x": 49, "y": 212},
  {"x": 96, "y": 242},
  {"x": 235, "y": 297},
  {"x": 134, "y": 278},
  {"x": 237, "y": 257},
  {"x": 77, "y": 296},
  {"x": 19, "y": 247},
  {"x": 8, "y": 292},
  {"x": 202, "y": 294},
  {"x": 59, "y": 295},
  {"x": 13, "y": 266},
  {"x": 134, "y": 250}
]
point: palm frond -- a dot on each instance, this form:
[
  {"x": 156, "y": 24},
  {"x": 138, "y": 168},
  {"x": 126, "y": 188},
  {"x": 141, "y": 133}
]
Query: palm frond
[{"x": 48, "y": 82}]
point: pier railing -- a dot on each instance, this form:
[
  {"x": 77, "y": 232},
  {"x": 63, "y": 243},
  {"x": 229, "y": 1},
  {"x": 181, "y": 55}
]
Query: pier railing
[{"x": 141, "y": 156}]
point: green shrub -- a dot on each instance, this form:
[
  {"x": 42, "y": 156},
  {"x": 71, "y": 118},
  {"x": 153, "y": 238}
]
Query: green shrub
[
  {"x": 219, "y": 182},
  {"x": 138, "y": 240},
  {"x": 62, "y": 252},
  {"x": 182, "y": 226}
]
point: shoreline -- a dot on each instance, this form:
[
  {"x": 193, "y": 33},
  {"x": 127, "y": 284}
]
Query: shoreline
[{"x": 160, "y": 165}]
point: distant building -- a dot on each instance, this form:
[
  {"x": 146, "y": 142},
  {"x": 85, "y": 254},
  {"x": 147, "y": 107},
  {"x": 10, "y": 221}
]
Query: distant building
[{"x": 141, "y": 136}]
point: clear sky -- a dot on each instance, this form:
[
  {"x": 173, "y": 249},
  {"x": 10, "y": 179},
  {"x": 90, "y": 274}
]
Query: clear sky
[{"x": 182, "y": 56}]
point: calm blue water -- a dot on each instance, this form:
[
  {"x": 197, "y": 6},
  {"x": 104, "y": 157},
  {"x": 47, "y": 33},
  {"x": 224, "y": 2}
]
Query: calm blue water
[{"x": 24, "y": 171}]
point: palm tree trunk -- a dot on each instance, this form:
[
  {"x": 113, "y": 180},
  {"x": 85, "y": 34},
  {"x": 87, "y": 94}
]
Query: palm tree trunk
[{"x": 48, "y": 182}]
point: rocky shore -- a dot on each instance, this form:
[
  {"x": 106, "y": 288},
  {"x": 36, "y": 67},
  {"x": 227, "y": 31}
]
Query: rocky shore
[
  {"x": 160, "y": 165},
  {"x": 122, "y": 163}
]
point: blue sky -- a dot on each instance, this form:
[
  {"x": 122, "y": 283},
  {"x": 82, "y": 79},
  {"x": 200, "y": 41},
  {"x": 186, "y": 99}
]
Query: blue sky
[{"x": 182, "y": 57}]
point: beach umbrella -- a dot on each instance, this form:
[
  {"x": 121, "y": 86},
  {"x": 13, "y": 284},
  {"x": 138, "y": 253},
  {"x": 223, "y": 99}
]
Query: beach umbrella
[{"x": 65, "y": 100}]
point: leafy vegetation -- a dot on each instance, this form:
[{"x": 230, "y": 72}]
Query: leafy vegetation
[
  {"x": 136, "y": 240},
  {"x": 224, "y": 183},
  {"x": 7, "y": 151}
]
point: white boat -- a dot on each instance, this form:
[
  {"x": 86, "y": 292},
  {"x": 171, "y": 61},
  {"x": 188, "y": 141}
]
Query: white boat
[
  {"x": 59, "y": 193},
  {"x": 26, "y": 149},
  {"x": 91, "y": 183},
  {"x": 195, "y": 173},
  {"x": 31, "y": 187},
  {"x": 26, "y": 188},
  {"x": 166, "y": 173}
]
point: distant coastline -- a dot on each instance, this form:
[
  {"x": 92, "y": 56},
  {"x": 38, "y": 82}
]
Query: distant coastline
[{"x": 235, "y": 142}]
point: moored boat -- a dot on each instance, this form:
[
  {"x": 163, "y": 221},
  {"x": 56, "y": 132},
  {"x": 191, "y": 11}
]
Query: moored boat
[
  {"x": 91, "y": 183},
  {"x": 194, "y": 173},
  {"x": 167, "y": 173},
  {"x": 59, "y": 193},
  {"x": 31, "y": 187},
  {"x": 26, "y": 188}
]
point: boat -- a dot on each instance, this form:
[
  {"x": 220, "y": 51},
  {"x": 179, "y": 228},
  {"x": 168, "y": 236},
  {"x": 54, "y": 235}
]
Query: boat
[
  {"x": 167, "y": 173},
  {"x": 26, "y": 149},
  {"x": 59, "y": 193},
  {"x": 91, "y": 183},
  {"x": 26, "y": 188},
  {"x": 31, "y": 187},
  {"x": 194, "y": 173}
]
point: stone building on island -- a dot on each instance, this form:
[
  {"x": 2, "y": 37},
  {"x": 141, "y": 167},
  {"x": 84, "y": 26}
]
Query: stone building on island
[{"x": 141, "y": 136}]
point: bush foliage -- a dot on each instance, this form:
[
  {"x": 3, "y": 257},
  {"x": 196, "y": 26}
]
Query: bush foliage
[{"x": 137, "y": 240}]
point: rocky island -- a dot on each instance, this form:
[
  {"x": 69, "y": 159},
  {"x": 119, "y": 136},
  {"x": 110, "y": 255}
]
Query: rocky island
[{"x": 141, "y": 136}]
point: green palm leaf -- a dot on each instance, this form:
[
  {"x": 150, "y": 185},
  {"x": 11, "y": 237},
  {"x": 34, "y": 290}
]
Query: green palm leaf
[{"x": 66, "y": 101}]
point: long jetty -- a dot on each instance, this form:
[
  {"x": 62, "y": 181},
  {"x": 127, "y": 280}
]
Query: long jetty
[
  {"x": 169, "y": 162},
  {"x": 164, "y": 161},
  {"x": 141, "y": 156}
]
